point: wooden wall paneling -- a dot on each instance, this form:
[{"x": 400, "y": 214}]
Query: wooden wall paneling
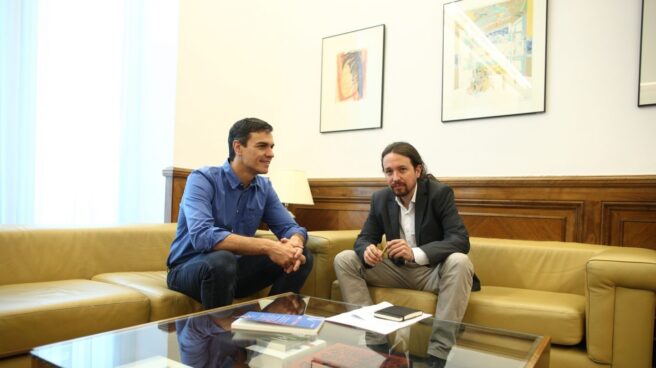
[
  {"x": 590, "y": 191},
  {"x": 338, "y": 204},
  {"x": 530, "y": 220},
  {"x": 326, "y": 218},
  {"x": 629, "y": 224},
  {"x": 618, "y": 210}
]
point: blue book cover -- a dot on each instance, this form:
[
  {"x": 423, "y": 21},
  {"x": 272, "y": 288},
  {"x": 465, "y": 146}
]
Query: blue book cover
[{"x": 292, "y": 320}]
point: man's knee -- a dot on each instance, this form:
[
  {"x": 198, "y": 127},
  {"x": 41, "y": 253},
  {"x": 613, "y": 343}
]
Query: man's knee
[
  {"x": 459, "y": 262},
  {"x": 345, "y": 259},
  {"x": 220, "y": 263}
]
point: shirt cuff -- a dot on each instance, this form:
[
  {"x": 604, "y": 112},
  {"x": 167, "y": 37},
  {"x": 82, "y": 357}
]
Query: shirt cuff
[
  {"x": 299, "y": 231},
  {"x": 420, "y": 257}
]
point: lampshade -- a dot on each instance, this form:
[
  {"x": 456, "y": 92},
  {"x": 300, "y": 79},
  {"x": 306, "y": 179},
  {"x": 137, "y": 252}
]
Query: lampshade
[{"x": 291, "y": 186}]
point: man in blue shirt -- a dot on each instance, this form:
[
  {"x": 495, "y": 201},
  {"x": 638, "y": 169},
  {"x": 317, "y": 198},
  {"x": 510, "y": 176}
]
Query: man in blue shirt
[{"x": 214, "y": 257}]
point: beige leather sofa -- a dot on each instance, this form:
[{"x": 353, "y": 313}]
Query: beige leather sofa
[
  {"x": 596, "y": 302},
  {"x": 57, "y": 284}
]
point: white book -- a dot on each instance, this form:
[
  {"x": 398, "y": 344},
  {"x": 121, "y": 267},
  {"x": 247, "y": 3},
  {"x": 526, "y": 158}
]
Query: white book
[{"x": 282, "y": 342}]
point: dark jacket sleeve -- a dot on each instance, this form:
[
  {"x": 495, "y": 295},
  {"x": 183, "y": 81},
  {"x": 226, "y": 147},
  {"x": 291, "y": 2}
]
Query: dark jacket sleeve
[
  {"x": 453, "y": 237},
  {"x": 373, "y": 229}
]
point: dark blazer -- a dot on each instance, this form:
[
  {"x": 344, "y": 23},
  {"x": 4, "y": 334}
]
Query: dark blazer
[{"x": 439, "y": 229}]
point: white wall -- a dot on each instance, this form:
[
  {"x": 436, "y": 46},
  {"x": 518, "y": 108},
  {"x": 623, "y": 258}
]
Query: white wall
[{"x": 262, "y": 58}]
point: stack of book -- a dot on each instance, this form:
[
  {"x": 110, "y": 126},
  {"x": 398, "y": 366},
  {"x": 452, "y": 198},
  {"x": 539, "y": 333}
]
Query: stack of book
[
  {"x": 280, "y": 339},
  {"x": 290, "y": 341}
]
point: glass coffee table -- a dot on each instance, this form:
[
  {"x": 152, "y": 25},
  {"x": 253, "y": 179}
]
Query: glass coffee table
[{"x": 205, "y": 340}]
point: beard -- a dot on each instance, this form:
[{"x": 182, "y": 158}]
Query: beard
[{"x": 400, "y": 190}]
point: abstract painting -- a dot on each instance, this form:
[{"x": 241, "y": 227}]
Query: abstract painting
[
  {"x": 352, "y": 80},
  {"x": 493, "y": 58}
]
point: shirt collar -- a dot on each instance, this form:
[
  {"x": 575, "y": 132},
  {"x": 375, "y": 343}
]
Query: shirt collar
[
  {"x": 233, "y": 179},
  {"x": 412, "y": 201}
]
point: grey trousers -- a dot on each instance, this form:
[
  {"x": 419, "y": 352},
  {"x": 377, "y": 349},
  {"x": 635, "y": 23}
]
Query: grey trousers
[{"x": 452, "y": 280}]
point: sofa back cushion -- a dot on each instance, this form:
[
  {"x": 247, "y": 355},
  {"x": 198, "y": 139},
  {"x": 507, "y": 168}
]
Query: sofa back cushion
[
  {"x": 539, "y": 265},
  {"x": 37, "y": 255}
]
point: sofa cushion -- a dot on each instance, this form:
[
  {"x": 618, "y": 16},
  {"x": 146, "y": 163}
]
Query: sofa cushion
[
  {"x": 34, "y": 314},
  {"x": 559, "y": 315},
  {"x": 164, "y": 302}
]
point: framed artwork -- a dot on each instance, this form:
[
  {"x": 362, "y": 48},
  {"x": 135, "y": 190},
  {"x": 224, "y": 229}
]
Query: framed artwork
[
  {"x": 647, "y": 88},
  {"x": 493, "y": 58},
  {"x": 352, "y": 80}
]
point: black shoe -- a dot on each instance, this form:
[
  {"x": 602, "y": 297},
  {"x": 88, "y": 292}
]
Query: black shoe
[{"x": 435, "y": 362}]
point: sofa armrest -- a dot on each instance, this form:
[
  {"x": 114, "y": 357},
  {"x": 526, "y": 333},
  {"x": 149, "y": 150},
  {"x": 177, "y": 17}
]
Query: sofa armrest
[
  {"x": 324, "y": 246},
  {"x": 620, "y": 304}
]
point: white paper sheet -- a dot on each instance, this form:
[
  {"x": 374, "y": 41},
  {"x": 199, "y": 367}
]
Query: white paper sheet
[{"x": 364, "y": 318}]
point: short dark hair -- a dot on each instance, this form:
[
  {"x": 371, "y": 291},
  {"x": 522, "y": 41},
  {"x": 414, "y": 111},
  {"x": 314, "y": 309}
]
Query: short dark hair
[
  {"x": 241, "y": 131},
  {"x": 409, "y": 151}
]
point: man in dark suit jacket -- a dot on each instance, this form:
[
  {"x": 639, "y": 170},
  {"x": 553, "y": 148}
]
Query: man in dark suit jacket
[{"x": 427, "y": 242}]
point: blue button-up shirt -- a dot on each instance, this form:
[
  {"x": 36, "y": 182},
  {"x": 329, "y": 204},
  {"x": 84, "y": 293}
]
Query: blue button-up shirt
[{"x": 215, "y": 204}]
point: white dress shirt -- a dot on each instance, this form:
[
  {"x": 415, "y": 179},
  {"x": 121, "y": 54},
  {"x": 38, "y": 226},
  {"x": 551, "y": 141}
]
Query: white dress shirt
[{"x": 407, "y": 228}]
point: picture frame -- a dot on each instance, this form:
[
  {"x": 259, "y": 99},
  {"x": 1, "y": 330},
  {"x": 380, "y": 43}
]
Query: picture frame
[
  {"x": 493, "y": 58},
  {"x": 647, "y": 70},
  {"x": 352, "y": 66}
]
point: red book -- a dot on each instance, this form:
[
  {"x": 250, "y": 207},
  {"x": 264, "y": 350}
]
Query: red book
[{"x": 346, "y": 356}]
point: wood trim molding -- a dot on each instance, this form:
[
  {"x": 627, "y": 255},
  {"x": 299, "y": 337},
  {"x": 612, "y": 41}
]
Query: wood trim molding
[
  {"x": 629, "y": 223},
  {"x": 617, "y": 210}
]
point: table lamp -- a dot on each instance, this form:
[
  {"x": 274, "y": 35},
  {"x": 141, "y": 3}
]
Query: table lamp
[{"x": 291, "y": 186}]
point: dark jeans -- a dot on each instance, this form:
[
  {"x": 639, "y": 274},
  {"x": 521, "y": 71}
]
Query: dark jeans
[{"x": 216, "y": 278}]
